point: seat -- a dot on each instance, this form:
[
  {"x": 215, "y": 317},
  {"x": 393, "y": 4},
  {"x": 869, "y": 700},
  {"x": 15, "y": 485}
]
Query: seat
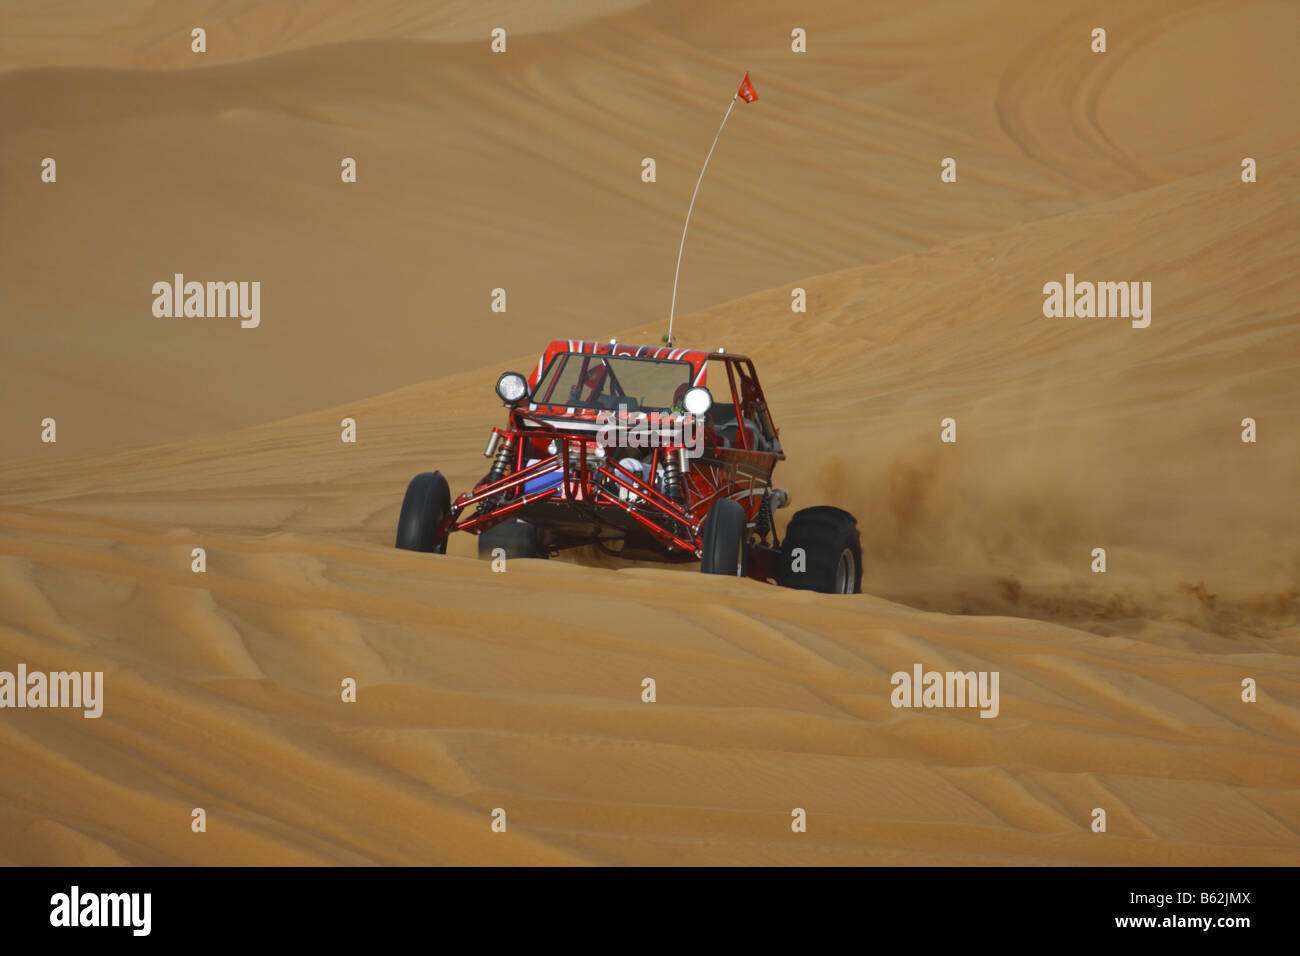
[
  {"x": 757, "y": 441},
  {"x": 723, "y": 420}
]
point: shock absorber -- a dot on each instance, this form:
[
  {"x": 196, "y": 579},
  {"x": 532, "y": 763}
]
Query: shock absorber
[
  {"x": 673, "y": 473},
  {"x": 502, "y": 459},
  {"x": 763, "y": 524}
]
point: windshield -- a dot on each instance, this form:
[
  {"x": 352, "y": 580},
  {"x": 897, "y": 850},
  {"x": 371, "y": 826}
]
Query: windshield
[{"x": 607, "y": 381}]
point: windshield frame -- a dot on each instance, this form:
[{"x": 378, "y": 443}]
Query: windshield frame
[{"x": 610, "y": 363}]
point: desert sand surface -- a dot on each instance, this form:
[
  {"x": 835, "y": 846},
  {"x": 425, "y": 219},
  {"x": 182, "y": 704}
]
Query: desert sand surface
[{"x": 522, "y": 690}]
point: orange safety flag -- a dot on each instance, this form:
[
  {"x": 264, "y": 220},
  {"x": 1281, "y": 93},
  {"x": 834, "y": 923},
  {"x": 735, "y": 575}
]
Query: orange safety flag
[{"x": 746, "y": 91}]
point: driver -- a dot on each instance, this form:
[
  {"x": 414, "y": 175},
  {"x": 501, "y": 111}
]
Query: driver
[{"x": 593, "y": 380}]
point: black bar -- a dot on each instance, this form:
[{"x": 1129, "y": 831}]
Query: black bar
[{"x": 661, "y": 907}]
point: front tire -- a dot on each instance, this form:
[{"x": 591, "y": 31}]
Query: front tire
[
  {"x": 427, "y": 502},
  {"x": 831, "y": 559},
  {"x": 724, "y": 539}
]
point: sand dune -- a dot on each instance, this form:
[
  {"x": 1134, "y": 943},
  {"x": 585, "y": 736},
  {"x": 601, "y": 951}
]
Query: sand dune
[
  {"x": 522, "y": 690},
  {"x": 482, "y": 691},
  {"x": 522, "y": 172}
]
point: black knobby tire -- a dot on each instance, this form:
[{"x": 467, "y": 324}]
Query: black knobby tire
[
  {"x": 724, "y": 539},
  {"x": 427, "y": 502},
  {"x": 516, "y": 537},
  {"x": 832, "y": 552}
]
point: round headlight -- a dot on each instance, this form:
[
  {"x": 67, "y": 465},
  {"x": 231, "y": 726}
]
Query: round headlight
[
  {"x": 511, "y": 386},
  {"x": 698, "y": 400}
]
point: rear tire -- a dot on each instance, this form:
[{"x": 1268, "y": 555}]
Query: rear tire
[
  {"x": 724, "y": 539},
  {"x": 832, "y": 552},
  {"x": 516, "y": 537},
  {"x": 427, "y": 502}
]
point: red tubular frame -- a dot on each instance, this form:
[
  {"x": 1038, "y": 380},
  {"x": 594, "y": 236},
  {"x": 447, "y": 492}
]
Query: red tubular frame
[
  {"x": 665, "y": 519},
  {"x": 576, "y": 485}
]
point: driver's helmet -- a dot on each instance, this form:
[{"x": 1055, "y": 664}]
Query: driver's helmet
[{"x": 594, "y": 378}]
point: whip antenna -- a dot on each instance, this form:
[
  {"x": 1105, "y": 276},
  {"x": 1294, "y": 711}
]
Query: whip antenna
[{"x": 746, "y": 93}]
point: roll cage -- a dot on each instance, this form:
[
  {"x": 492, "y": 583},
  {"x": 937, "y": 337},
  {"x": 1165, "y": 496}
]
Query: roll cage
[{"x": 549, "y": 466}]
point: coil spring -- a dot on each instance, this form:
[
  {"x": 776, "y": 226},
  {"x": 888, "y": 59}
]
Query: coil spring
[
  {"x": 765, "y": 521},
  {"x": 502, "y": 457},
  {"x": 673, "y": 475}
]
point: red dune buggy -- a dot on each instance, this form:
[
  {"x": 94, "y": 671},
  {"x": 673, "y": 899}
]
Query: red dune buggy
[{"x": 627, "y": 448}]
